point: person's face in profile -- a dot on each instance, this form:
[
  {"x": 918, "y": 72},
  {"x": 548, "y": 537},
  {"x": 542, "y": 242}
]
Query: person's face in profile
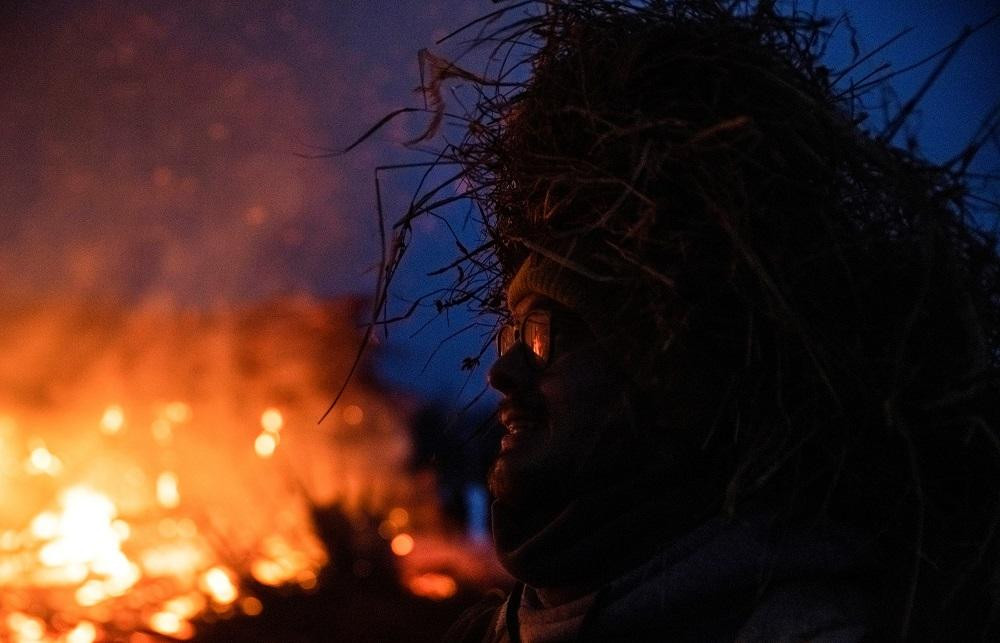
[{"x": 561, "y": 394}]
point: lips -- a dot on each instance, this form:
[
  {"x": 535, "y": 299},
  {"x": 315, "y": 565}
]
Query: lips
[{"x": 520, "y": 422}]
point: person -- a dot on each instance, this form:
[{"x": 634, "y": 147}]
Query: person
[{"x": 751, "y": 358}]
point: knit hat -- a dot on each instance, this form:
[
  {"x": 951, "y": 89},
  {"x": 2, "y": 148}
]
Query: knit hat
[{"x": 541, "y": 275}]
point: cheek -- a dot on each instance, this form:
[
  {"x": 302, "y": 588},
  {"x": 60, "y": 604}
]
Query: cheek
[{"x": 581, "y": 393}]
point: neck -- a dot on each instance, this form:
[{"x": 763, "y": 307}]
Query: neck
[{"x": 556, "y": 596}]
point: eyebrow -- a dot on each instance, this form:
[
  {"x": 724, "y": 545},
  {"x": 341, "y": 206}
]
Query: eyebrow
[{"x": 534, "y": 301}]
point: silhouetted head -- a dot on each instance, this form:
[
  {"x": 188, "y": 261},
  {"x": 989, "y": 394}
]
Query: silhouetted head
[{"x": 720, "y": 265}]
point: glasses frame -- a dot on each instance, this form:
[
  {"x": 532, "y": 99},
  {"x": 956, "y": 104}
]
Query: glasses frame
[{"x": 544, "y": 319}]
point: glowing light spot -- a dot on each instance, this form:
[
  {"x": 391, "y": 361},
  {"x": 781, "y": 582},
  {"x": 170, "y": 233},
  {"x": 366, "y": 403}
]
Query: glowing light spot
[
  {"x": 353, "y": 415},
  {"x": 271, "y": 420},
  {"x": 434, "y": 586},
  {"x": 121, "y": 529},
  {"x": 166, "y": 623},
  {"x": 251, "y": 606},
  {"x": 113, "y": 420},
  {"x": 27, "y": 627},
  {"x": 41, "y": 460},
  {"x": 90, "y": 593},
  {"x": 387, "y": 529},
  {"x": 402, "y": 544},
  {"x": 217, "y": 583},
  {"x": 307, "y": 580},
  {"x": 167, "y": 492},
  {"x": 45, "y": 525},
  {"x": 84, "y": 632},
  {"x": 186, "y": 606},
  {"x": 177, "y": 412},
  {"x": 399, "y": 517},
  {"x": 265, "y": 444},
  {"x": 267, "y": 572}
]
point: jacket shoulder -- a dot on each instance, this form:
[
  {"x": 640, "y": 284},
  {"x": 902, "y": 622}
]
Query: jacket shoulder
[{"x": 475, "y": 623}]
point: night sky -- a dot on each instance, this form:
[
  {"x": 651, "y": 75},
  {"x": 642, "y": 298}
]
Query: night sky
[{"x": 153, "y": 150}]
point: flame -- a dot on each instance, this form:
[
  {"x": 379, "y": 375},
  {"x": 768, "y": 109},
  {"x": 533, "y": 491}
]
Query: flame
[
  {"x": 105, "y": 529},
  {"x": 83, "y": 541}
]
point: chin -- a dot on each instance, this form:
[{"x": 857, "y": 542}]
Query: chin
[{"x": 519, "y": 480}]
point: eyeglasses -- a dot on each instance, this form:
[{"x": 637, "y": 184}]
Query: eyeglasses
[{"x": 534, "y": 331}]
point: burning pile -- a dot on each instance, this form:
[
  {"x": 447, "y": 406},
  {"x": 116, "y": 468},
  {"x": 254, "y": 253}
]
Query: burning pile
[{"x": 153, "y": 462}]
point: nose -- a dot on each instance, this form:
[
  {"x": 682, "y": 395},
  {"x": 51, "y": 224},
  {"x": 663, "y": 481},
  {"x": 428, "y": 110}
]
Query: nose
[{"x": 512, "y": 371}]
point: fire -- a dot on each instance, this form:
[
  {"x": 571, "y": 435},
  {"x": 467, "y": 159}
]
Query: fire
[
  {"x": 129, "y": 500},
  {"x": 84, "y": 541}
]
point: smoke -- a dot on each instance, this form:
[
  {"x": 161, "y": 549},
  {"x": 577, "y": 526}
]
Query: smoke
[{"x": 156, "y": 147}]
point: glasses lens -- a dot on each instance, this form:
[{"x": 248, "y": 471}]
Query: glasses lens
[
  {"x": 536, "y": 336},
  {"x": 506, "y": 339}
]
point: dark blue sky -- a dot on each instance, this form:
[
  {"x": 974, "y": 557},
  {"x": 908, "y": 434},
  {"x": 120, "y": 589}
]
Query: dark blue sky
[{"x": 149, "y": 150}]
